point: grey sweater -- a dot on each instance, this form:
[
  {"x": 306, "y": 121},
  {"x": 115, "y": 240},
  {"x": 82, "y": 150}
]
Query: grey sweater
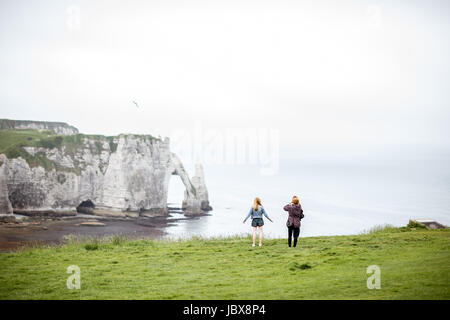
[{"x": 257, "y": 214}]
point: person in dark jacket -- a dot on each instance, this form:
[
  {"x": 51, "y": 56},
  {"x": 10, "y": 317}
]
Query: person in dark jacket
[{"x": 293, "y": 223}]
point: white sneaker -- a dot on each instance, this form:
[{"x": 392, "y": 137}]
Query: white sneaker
[
  {"x": 260, "y": 244},
  {"x": 253, "y": 245}
]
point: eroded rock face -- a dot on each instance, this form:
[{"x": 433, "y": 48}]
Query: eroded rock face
[
  {"x": 5, "y": 204},
  {"x": 119, "y": 177},
  {"x": 200, "y": 197}
]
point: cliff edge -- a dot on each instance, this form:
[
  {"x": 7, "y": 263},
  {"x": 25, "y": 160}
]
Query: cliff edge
[
  {"x": 45, "y": 170},
  {"x": 55, "y": 127}
]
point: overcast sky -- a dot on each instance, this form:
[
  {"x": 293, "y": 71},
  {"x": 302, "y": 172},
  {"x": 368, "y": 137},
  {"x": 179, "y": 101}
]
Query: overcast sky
[{"x": 324, "y": 73}]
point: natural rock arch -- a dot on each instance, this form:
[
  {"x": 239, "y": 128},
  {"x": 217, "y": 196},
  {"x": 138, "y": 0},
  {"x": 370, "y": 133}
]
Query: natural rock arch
[{"x": 195, "y": 195}]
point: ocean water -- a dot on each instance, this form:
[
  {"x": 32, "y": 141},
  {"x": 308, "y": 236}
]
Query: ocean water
[{"x": 338, "y": 197}]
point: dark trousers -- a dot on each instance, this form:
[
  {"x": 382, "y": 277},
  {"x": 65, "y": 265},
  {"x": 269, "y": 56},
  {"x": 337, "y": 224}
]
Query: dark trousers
[{"x": 296, "y": 232}]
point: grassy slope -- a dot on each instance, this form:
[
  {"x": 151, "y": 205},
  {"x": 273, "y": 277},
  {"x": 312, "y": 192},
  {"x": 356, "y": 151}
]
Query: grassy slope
[
  {"x": 9, "y": 138},
  {"x": 414, "y": 265},
  {"x": 13, "y": 141}
]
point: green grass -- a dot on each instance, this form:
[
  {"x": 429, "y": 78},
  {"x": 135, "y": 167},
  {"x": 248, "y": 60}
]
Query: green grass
[
  {"x": 11, "y": 138},
  {"x": 12, "y": 142},
  {"x": 414, "y": 264}
]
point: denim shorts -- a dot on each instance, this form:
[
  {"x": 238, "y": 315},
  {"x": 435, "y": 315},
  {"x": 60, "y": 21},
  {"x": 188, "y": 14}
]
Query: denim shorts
[{"x": 257, "y": 222}]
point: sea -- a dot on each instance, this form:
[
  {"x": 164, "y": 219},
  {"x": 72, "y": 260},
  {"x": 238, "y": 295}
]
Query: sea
[{"x": 338, "y": 196}]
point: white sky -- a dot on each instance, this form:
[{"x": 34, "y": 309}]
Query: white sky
[{"x": 323, "y": 73}]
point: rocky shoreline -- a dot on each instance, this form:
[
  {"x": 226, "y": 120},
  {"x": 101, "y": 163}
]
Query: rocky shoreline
[{"x": 42, "y": 228}]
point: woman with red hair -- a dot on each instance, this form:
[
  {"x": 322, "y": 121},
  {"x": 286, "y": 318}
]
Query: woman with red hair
[
  {"x": 256, "y": 212},
  {"x": 293, "y": 223}
]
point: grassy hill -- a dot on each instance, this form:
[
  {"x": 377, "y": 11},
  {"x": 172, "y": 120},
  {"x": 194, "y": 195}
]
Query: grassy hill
[
  {"x": 414, "y": 263},
  {"x": 13, "y": 141}
]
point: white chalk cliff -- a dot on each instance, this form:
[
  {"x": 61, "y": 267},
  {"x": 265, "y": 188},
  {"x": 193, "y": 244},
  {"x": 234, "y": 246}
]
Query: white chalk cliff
[
  {"x": 57, "y": 127},
  {"x": 122, "y": 175}
]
